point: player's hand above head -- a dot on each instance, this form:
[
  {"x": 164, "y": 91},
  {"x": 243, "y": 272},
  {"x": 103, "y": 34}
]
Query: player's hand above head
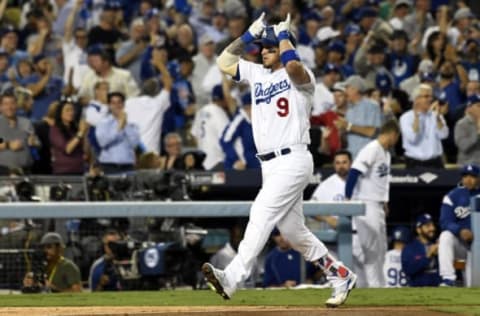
[
  {"x": 283, "y": 26},
  {"x": 257, "y": 27}
]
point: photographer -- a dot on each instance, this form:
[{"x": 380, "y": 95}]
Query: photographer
[
  {"x": 102, "y": 273},
  {"x": 60, "y": 274},
  {"x": 423, "y": 128}
]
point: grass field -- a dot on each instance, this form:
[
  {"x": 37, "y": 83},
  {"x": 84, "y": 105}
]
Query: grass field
[{"x": 453, "y": 300}]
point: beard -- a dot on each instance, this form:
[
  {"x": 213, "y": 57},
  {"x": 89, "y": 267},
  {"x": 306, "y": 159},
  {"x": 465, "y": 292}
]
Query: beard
[{"x": 447, "y": 75}]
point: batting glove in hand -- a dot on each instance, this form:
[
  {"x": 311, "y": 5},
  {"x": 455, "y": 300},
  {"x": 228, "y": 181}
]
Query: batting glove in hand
[
  {"x": 282, "y": 29},
  {"x": 255, "y": 30}
]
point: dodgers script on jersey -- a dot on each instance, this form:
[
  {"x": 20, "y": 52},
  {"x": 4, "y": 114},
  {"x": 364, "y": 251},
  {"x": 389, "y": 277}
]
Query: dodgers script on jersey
[
  {"x": 373, "y": 161},
  {"x": 280, "y": 109}
]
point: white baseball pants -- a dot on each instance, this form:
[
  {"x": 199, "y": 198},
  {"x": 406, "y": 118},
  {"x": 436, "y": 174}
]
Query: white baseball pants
[
  {"x": 279, "y": 203},
  {"x": 370, "y": 246},
  {"x": 449, "y": 249}
]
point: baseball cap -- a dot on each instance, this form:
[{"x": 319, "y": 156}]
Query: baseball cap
[
  {"x": 463, "y": 13},
  {"x": 366, "y": 12},
  {"x": 401, "y": 233},
  {"x": 151, "y": 13},
  {"x": 217, "y": 92},
  {"x": 205, "y": 39},
  {"x": 471, "y": 100},
  {"x": 383, "y": 82},
  {"x": 326, "y": 33},
  {"x": 312, "y": 16},
  {"x": 352, "y": 29},
  {"x": 269, "y": 39},
  {"x": 337, "y": 46},
  {"x": 356, "y": 82},
  {"x": 471, "y": 169},
  {"x": 112, "y": 5},
  {"x": 423, "y": 219},
  {"x": 402, "y": 2},
  {"x": 427, "y": 76},
  {"x": 329, "y": 67},
  {"x": 338, "y": 86},
  {"x": 52, "y": 238}
]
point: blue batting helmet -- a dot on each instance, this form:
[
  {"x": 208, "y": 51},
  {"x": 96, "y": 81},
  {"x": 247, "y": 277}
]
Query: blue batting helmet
[
  {"x": 270, "y": 39},
  {"x": 401, "y": 233}
]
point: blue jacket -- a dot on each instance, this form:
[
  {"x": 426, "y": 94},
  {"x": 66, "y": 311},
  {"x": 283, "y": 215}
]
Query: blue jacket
[
  {"x": 239, "y": 128},
  {"x": 455, "y": 210},
  {"x": 419, "y": 269}
]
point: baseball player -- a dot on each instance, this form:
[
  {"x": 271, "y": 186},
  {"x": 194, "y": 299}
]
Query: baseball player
[
  {"x": 392, "y": 268},
  {"x": 369, "y": 176},
  {"x": 282, "y": 91},
  {"x": 419, "y": 258},
  {"x": 456, "y": 236},
  {"x": 208, "y": 126}
]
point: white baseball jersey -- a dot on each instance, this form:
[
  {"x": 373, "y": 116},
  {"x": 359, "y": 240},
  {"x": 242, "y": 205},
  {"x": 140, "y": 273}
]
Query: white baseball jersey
[
  {"x": 323, "y": 99},
  {"x": 280, "y": 110},
  {"x": 147, "y": 113},
  {"x": 392, "y": 269},
  {"x": 331, "y": 189},
  {"x": 207, "y": 127},
  {"x": 373, "y": 161}
]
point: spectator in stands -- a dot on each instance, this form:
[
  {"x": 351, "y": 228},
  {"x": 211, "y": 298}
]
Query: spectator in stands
[
  {"x": 237, "y": 139},
  {"x": 471, "y": 60},
  {"x": 183, "y": 99},
  {"x": 117, "y": 138},
  {"x": 204, "y": 60},
  {"x": 452, "y": 87},
  {"x": 423, "y": 127},
  {"x": 173, "y": 148},
  {"x": 74, "y": 46},
  {"x": 236, "y": 27},
  {"x": 147, "y": 111},
  {"x": 282, "y": 265},
  {"x": 363, "y": 116},
  {"x": 129, "y": 53},
  {"x": 67, "y": 140},
  {"x": 392, "y": 268},
  {"x": 455, "y": 222},
  {"x": 46, "y": 42},
  {"x": 418, "y": 20},
  {"x": 118, "y": 79},
  {"x": 370, "y": 61},
  {"x": 18, "y": 136},
  {"x": 400, "y": 11},
  {"x": 106, "y": 32},
  {"x": 42, "y": 129},
  {"x": 103, "y": 276},
  {"x": 420, "y": 257},
  {"x": 336, "y": 56},
  {"x": 424, "y": 68},
  {"x": 467, "y": 133},
  {"x": 208, "y": 126},
  {"x": 9, "y": 44},
  {"x": 62, "y": 274},
  {"x": 402, "y": 64},
  {"x": 353, "y": 39},
  {"x": 323, "y": 98},
  {"x": 46, "y": 87}
]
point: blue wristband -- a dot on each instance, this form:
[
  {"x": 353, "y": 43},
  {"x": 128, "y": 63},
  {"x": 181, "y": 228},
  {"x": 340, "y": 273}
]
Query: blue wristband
[
  {"x": 283, "y": 35},
  {"x": 247, "y": 37},
  {"x": 289, "y": 55}
]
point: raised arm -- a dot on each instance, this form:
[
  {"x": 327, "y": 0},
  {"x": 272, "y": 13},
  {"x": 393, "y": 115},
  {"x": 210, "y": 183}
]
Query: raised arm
[
  {"x": 230, "y": 56},
  {"x": 288, "y": 55},
  {"x": 68, "y": 31}
]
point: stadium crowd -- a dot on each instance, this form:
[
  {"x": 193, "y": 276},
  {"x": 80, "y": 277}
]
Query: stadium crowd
[{"x": 124, "y": 85}]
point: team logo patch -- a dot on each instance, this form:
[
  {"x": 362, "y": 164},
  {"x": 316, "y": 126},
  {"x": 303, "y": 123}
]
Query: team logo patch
[
  {"x": 383, "y": 170},
  {"x": 265, "y": 94}
]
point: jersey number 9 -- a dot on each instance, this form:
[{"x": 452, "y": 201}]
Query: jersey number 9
[{"x": 282, "y": 105}]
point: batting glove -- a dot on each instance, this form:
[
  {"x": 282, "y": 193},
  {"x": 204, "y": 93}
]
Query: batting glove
[
  {"x": 255, "y": 30},
  {"x": 282, "y": 29}
]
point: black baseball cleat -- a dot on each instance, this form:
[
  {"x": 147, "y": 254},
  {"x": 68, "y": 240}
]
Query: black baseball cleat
[{"x": 215, "y": 279}]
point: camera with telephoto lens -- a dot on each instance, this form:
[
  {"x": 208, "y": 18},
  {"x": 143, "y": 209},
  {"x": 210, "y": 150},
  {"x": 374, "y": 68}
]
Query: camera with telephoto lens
[{"x": 38, "y": 262}]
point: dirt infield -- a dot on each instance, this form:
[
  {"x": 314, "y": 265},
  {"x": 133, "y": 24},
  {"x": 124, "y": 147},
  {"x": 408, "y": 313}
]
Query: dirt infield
[{"x": 214, "y": 311}]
